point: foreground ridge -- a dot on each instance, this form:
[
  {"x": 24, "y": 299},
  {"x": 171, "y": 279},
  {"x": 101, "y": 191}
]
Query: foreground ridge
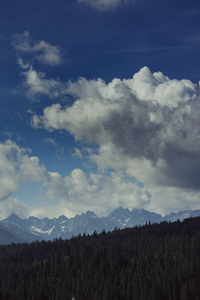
[{"x": 153, "y": 261}]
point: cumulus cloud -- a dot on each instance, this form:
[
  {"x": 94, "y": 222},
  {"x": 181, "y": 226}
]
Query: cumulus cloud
[
  {"x": 82, "y": 192},
  {"x": 16, "y": 166},
  {"x": 159, "y": 88},
  {"x": 52, "y": 211},
  {"x": 164, "y": 200},
  {"x": 12, "y": 205},
  {"x": 45, "y": 52},
  {"x": 37, "y": 85},
  {"x": 103, "y": 5},
  {"x": 142, "y": 133},
  {"x": 147, "y": 126},
  {"x": 76, "y": 192}
]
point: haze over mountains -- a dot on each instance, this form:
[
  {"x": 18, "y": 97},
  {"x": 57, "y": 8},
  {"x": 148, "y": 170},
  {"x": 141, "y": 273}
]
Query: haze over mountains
[{"x": 17, "y": 230}]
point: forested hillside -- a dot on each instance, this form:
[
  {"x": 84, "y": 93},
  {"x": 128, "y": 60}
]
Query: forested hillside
[{"x": 149, "y": 262}]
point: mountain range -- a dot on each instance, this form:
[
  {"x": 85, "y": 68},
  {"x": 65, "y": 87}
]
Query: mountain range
[{"x": 16, "y": 230}]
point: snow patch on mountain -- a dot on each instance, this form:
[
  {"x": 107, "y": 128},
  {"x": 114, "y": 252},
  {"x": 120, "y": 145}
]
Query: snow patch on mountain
[{"x": 35, "y": 228}]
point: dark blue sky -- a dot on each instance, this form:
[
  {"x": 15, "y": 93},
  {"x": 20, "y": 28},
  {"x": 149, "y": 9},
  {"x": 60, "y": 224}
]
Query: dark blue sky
[{"x": 160, "y": 34}]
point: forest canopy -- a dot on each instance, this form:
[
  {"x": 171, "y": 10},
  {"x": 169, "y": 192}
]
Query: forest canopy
[{"x": 155, "y": 261}]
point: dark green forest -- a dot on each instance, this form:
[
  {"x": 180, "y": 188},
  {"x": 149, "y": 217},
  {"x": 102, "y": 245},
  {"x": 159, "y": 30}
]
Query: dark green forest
[{"x": 154, "y": 261}]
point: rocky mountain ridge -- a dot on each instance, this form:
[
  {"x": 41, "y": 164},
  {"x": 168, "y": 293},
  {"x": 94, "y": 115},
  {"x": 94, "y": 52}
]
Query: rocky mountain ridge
[{"x": 33, "y": 228}]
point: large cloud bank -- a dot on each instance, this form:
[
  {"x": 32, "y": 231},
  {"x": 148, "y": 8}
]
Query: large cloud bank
[
  {"x": 142, "y": 134},
  {"x": 77, "y": 192},
  {"x": 147, "y": 126}
]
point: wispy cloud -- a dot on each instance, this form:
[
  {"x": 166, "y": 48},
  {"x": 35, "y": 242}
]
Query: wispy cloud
[
  {"x": 147, "y": 49},
  {"x": 103, "y": 5},
  {"x": 36, "y": 83},
  {"x": 13, "y": 205},
  {"x": 45, "y": 52},
  {"x": 59, "y": 150}
]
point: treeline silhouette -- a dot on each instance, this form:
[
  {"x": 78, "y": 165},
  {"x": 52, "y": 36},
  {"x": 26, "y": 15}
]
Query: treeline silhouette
[{"x": 154, "y": 261}]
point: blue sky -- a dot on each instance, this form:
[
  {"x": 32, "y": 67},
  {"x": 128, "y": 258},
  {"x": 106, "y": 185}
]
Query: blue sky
[{"x": 99, "y": 106}]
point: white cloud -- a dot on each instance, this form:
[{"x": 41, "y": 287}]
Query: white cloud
[
  {"x": 103, "y": 5},
  {"x": 17, "y": 166},
  {"x": 82, "y": 192},
  {"x": 144, "y": 85},
  {"x": 37, "y": 85},
  {"x": 77, "y": 153},
  {"x": 51, "y": 141},
  {"x": 45, "y": 52},
  {"x": 52, "y": 211},
  {"x": 12, "y": 205},
  {"x": 160, "y": 89},
  {"x": 9, "y": 164},
  {"x": 146, "y": 126},
  {"x": 24, "y": 64},
  {"x": 32, "y": 170},
  {"x": 75, "y": 193},
  {"x": 164, "y": 200},
  {"x": 59, "y": 150}
]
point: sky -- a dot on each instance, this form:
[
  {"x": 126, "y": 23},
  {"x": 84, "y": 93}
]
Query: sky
[{"x": 99, "y": 106}]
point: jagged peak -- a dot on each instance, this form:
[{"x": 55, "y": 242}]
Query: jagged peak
[
  {"x": 119, "y": 210},
  {"x": 91, "y": 214},
  {"x": 13, "y": 217},
  {"x": 87, "y": 214},
  {"x": 61, "y": 218},
  {"x": 31, "y": 218}
]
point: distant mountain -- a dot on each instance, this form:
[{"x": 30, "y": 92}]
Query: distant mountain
[
  {"x": 122, "y": 218},
  {"x": 182, "y": 215},
  {"x": 11, "y": 233},
  {"x": 32, "y": 229},
  {"x": 7, "y": 237}
]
